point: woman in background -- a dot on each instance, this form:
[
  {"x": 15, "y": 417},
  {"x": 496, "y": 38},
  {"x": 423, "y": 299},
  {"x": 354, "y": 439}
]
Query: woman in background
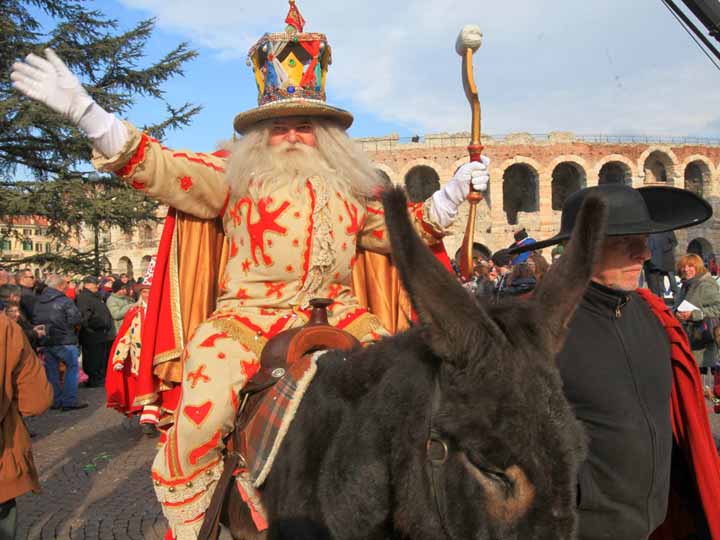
[{"x": 699, "y": 289}]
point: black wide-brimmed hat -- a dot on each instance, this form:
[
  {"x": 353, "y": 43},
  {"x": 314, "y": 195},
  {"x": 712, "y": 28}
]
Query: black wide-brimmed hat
[{"x": 645, "y": 210}]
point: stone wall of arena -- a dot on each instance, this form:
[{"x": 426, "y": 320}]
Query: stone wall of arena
[{"x": 531, "y": 175}]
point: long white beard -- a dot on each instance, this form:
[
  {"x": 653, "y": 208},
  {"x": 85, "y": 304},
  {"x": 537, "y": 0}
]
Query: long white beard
[{"x": 285, "y": 164}]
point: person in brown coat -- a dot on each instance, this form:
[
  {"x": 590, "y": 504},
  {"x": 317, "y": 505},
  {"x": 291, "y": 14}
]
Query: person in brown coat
[{"x": 25, "y": 391}]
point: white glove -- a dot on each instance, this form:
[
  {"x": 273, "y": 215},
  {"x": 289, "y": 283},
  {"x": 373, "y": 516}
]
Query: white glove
[
  {"x": 118, "y": 366},
  {"x": 49, "y": 81},
  {"x": 446, "y": 200}
]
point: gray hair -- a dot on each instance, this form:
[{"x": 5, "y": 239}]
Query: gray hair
[
  {"x": 55, "y": 280},
  {"x": 8, "y": 290}
]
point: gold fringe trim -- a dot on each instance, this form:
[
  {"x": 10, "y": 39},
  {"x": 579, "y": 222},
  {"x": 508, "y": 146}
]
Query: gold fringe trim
[
  {"x": 241, "y": 333},
  {"x": 364, "y": 325}
]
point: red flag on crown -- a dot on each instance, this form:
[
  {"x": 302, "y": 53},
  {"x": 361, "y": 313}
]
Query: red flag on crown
[{"x": 294, "y": 18}]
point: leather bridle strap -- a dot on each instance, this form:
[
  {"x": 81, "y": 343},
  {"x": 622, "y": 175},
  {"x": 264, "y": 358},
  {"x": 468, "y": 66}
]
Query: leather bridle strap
[{"x": 437, "y": 454}]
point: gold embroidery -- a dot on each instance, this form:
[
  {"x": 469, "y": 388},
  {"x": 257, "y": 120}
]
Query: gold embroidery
[
  {"x": 167, "y": 356},
  {"x": 175, "y": 293}
]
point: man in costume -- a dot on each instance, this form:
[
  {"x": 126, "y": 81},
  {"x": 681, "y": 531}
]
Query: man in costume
[
  {"x": 124, "y": 362},
  {"x": 626, "y": 362},
  {"x": 296, "y": 201}
]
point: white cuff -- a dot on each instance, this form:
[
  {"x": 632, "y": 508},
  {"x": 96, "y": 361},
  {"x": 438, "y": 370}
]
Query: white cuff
[
  {"x": 442, "y": 210},
  {"x": 107, "y": 133}
]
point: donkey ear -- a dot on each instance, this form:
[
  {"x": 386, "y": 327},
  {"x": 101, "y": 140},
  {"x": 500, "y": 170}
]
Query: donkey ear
[
  {"x": 456, "y": 322},
  {"x": 564, "y": 284}
]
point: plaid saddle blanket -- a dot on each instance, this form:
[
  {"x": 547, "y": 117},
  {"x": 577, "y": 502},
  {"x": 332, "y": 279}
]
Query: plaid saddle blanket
[{"x": 264, "y": 433}]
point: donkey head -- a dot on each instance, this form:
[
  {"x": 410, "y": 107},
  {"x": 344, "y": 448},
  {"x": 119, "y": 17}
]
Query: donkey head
[{"x": 503, "y": 444}]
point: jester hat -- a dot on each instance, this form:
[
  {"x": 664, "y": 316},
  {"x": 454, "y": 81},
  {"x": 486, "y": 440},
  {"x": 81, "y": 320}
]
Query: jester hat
[{"x": 290, "y": 71}]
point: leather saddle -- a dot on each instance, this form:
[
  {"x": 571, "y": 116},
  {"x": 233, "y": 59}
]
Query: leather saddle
[{"x": 279, "y": 353}]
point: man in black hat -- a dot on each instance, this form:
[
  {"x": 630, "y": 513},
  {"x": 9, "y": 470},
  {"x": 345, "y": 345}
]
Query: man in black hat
[
  {"x": 97, "y": 331},
  {"x": 624, "y": 357},
  {"x": 521, "y": 239}
]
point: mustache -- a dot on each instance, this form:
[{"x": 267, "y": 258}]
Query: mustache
[{"x": 285, "y": 147}]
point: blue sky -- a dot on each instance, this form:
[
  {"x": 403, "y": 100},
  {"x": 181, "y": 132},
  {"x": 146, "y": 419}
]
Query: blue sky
[{"x": 611, "y": 67}]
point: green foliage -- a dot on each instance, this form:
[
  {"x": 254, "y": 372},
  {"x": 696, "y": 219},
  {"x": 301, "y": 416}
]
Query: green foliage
[
  {"x": 38, "y": 144},
  {"x": 105, "y": 59},
  {"x": 72, "y": 261}
]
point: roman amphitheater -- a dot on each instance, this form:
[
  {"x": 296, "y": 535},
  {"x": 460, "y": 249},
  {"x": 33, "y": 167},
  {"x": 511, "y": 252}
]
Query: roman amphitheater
[{"x": 530, "y": 177}]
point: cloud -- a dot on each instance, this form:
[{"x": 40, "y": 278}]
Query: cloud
[{"x": 589, "y": 67}]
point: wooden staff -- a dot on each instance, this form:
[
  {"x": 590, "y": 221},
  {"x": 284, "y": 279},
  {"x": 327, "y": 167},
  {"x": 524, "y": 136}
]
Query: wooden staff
[{"x": 469, "y": 41}]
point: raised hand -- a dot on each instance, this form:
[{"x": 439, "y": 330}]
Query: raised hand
[
  {"x": 458, "y": 187},
  {"x": 49, "y": 81},
  {"x": 447, "y": 199}
]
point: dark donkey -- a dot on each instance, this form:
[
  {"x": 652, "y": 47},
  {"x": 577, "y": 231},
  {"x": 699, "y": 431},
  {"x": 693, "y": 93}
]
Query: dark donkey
[{"x": 455, "y": 429}]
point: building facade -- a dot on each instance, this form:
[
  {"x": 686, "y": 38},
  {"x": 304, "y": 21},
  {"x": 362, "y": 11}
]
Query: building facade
[
  {"x": 131, "y": 253},
  {"x": 24, "y": 236},
  {"x": 531, "y": 176}
]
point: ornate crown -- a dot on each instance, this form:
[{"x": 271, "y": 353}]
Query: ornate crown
[{"x": 290, "y": 71}]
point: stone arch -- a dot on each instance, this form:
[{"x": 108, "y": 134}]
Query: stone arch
[
  {"x": 702, "y": 247},
  {"x": 697, "y": 175},
  {"x": 105, "y": 265},
  {"x": 147, "y": 232},
  {"x": 125, "y": 266},
  {"x": 568, "y": 176},
  {"x": 615, "y": 172},
  {"x": 521, "y": 190},
  {"x": 421, "y": 181},
  {"x": 400, "y": 177},
  {"x": 658, "y": 165},
  {"x": 614, "y": 169},
  {"x": 144, "y": 262},
  {"x": 386, "y": 172}
]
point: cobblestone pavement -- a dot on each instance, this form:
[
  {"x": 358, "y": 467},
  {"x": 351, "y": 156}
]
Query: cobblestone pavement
[{"x": 94, "y": 468}]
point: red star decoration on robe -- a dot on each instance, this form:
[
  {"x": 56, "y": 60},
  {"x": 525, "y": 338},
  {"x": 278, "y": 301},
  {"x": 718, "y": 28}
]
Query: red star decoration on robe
[
  {"x": 354, "y": 227},
  {"x": 275, "y": 288},
  {"x": 198, "y": 376},
  {"x": 235, "y": 214},
  {"x": 185, "y": 183},
  {"x": 242, "y": 294},
  {"x": 266, "y": 223}
]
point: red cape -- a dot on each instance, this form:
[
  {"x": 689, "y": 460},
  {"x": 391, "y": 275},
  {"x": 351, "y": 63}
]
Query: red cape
[
  {"x": 691, "y": 429},
  {"x": 160, "y": 327}
]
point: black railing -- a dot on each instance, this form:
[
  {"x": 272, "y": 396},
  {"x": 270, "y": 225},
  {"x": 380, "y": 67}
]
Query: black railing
[{"x": 458, "y": 138}]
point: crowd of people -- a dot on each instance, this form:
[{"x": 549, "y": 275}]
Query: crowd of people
[
  {"x": 70, "y": 322},
  {"x": 501, "y": 276}
]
